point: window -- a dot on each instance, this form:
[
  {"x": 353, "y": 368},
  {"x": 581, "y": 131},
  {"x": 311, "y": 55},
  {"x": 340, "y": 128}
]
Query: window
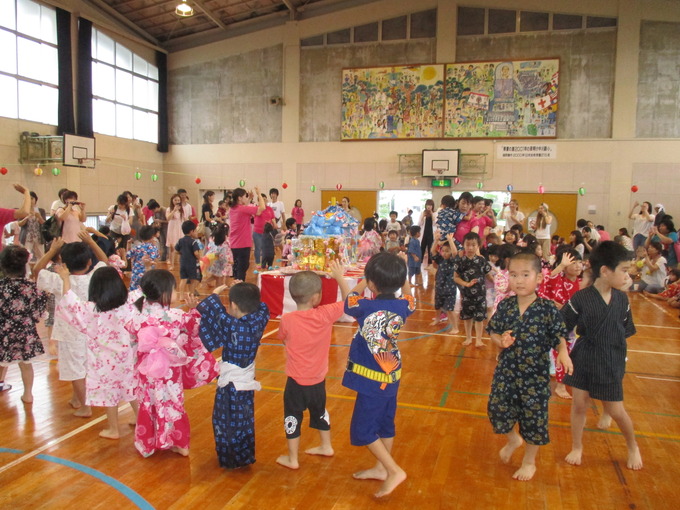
[
  {"x": 595, "y": 22},
  {"x": 366, "y": 33},
  {"x": 470, "y": 21},
  {"x": 29, "y": 75},
  {"x": 502, "y": 21},
  {"x": 394, "y": 29},
  {"x": 124, "y": 90},
  {"x": 567, "y": 22},
  {"x": 339, "y": 37},
  {"x": 533, "y": 21},
  {"x": 424, "y": 24}
]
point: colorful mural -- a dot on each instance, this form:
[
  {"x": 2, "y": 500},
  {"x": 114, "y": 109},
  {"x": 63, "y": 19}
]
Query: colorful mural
[
  {"x": 503, "y": 99},
  {"x": 399, "y": 102}
]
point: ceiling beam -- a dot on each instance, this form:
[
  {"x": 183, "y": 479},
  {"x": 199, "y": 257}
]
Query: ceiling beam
[
  {"x": 99, "y": 4},
  {"x": 292, "y": 9},
  {"x": 210, "y": 14}
]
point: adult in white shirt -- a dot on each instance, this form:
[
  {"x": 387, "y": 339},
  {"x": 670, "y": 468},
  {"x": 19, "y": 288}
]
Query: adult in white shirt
[
  {"x": 541, "y": 226},
  {"x": 512, "y": 215},
  {"x": 278, "y": 207},
  {"x": 642, "y": 223}
]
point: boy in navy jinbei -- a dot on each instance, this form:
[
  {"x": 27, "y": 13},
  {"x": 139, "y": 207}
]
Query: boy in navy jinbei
[{"x": 374, "y": 365}]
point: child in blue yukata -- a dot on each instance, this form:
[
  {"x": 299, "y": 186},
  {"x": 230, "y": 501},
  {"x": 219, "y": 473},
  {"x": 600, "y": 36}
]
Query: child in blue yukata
[
  {"x": 414, "y": 253},
  {"x": 142, "y": 255},
  {"x": 237, "y": 330},
  {"x": 374, "y": 364},
  {"x": 189, "y": 249},
  {"x": 526, "y": 328},
  {"x": 445, "y": 289},
  {"x": 470, "y": 270}
]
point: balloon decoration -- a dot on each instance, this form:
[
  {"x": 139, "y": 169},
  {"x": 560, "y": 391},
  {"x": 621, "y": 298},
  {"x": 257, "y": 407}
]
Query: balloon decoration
[
  {"x": 3, "y": 171},
  {"x": 198, "y": 180},
  {"x": 154, "y": 177},
  {"x": 456, "y": 180},
  {"x": 581, "y": 191},
  {"x": 38, "y": 171},
  {"x": 284, "y": 185},
  {"x": 634, "y": 189},
  {"x": 242, "y": 182},
  {"x": 138, "y": 175},
  {"x": 541, "y": 189},
  {"x": 480, "y": 185},
  {"x": 312, "y": 188},
  {"x": 55, "y": 171},
  {"x": 338, "y": 186},
  {"x": 509, "y": 187},
  {"x": 382, "y": 185}
]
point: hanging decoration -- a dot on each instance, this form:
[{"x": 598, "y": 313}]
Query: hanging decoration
[
  {"x": 634, "y": 188},
  {"x": 154, "y": 177},
  {"x": 198, "y": 180},
  {"x": 456, "y": 181},
  {"x": 382, "y": 185},
  {"x": 541, "y": 189},
  {"x": 480, "y": 185},
  {"x": 38, "y": 171},
  {"x": 414, "y": 182},
  {"x": 284, "y": 185},
  {"x": 509, "y": 187},
  {"x": 312, "y": 188},
  {"x": 138, "y": 175},
  {"x": 55, "y": 171},
  {"x": 338, "y": 186},
  {"x": 581, "y": 191},
  {"x": 3, "y": 171},
  {"x": 242, "y": 182}
]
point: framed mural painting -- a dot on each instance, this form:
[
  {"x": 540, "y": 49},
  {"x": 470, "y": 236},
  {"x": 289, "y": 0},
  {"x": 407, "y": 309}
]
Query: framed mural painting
[
  {"x": 502, "y": 99},
  {"x": 393, "y": 102}
]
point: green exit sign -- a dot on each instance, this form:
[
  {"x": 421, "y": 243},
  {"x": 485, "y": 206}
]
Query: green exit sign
[{"x": 441, "y": 183}]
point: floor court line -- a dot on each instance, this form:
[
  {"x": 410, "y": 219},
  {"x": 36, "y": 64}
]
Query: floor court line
[{"x": 657, "y": 378}]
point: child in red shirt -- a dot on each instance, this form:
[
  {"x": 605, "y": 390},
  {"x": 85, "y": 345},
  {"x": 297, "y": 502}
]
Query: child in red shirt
[{"x": 306, "y": 335}]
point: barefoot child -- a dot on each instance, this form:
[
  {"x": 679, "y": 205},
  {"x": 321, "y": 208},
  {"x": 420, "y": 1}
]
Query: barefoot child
[
  {"x": 189, "y": 251},
  {"x": 22, "y": 305},
  {"x": 603, "y": 319},
  {"x": 306, "y": 335},
  {"x": 237, "y": 330},
  {"x": 111, "y": 352},
  {"x": 142, "y": 255},
  {"x": 445, "y": 288},
  {"x": 470, "y": 270},
  {"x": 374, "y": 364},
  {"x": 525, "y": 327}
]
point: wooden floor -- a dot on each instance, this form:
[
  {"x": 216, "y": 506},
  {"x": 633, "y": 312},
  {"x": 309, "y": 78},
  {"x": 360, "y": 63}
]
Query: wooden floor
[{"x": 49, "y": 459}]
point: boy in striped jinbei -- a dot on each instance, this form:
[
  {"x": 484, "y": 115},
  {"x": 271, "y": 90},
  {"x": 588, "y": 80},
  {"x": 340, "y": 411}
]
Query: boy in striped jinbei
[
  {"x": 603, "y": 320},
  {"x": 374, "y": 364},
  {"x": 238, "y": 331}
]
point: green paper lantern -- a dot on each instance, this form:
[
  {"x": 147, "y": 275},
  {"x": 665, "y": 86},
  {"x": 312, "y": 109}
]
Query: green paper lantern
[
  {"x": 138, "y": 175},
  {"x": 154, "y": 177},
  {"x": 480, "y": 185},
  {"x": 581, "y": 191},
  {"x": 312, "y": 188},
  {"x": 56, "y": 171},
  {"x": 242, "y": 182},
  {"x": 382, "y": 185}
]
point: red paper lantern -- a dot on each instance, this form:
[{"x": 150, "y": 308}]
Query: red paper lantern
[
  {"x": 456, "y": 180},
  {"x": 284, "y": 185},
  {"x": 3, "y": 171},
  {"x": 198, "y": 180},
  {"x": 338, "y": 186},
  {"x": 634, "y": 189}
]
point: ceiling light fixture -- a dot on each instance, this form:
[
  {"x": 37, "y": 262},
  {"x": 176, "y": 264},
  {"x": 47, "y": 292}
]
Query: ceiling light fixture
[{"x": 184, "y": 9}]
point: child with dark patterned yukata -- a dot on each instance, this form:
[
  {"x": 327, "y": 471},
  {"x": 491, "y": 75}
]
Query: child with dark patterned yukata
[
  {"x": 237, "y": 330},
  {"x": 470, "y": 269},
  {"x": 445, "y": 289},
  {"x": 526, "y": 328}
]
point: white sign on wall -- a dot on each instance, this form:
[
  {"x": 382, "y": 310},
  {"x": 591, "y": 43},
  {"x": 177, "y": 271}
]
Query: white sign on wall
[{"x": 526, "y": 151}]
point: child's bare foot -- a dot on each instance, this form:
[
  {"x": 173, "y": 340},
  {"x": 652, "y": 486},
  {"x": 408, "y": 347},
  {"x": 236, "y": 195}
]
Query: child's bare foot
[
  {"x": 285, "y": 461},
  {"x": 74, "y": 403},
  {"x": 182, "y": 451},
  {"x": 574, "y": 457},
  {"x": 507, "y": 451},
  {"x": 604, "y": 422},
  {"x": 454, "y": 331},
  {"x": 83, "y": 412},
  {"x": 480, "y": 344},
  {"x": 27, "y": 399},
  {"x": 634, "y": 459},
  {"x": 391, "y": 483},
  {"x": 324, "y": 451},
  {"x": 525, "y": 472},
  {"x": 375, "y": 473},
  {"x": 109, "y": 434},
  {"x": 561, "y": 391},
  {"x": 468, "y": 341}
]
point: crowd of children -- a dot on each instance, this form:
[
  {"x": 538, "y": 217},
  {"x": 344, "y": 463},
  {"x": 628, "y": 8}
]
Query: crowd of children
[{"x": 117, "y": 345}]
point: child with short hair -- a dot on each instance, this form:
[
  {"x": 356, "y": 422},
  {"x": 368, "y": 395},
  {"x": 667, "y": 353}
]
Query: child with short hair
[
  {"x": 525, "y": 327},
  {"x": 601, "y": 313},
  {"x": 445, "y": 289},
  {"x": 22, "y": 306},
  {"x": 306, "y": 335},
  {"x": 71, "y": 343},
  {"x": 237, "y": 330},
  {"x": 449, "y": 216},
  {"x": 393, "y": 223},
  {"x": 189, "y": 250},
  {"x": 374, "y": 364},
  {"x": 470, "y": 270},
  {"x": 392, "y": 244},
  {"x": 142, "y": 255},
  {"x": 414, "y": 253}
]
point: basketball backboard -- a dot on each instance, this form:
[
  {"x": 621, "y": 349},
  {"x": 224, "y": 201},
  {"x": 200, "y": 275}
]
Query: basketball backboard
[{"x": 79, "y": 151}]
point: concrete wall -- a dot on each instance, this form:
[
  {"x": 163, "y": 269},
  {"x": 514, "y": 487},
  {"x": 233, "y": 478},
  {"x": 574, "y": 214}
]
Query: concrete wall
[
  {"x": 321, "y": 79},
  {"x": 658, "y": 113},
  {"x": 227, "y": 100},
  {"x": 586, "y": 72}
]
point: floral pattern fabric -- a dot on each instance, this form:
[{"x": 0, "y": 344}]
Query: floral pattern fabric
[{"x": 22, "y": 306}]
